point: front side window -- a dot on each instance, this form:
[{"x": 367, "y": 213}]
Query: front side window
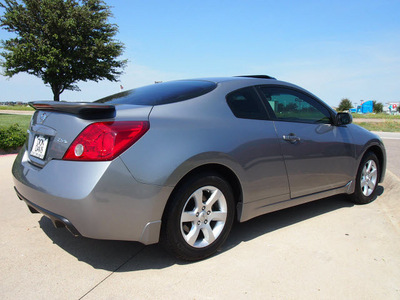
[
  {"x": 246, "y": 104},
  {"x": 290, "y": 105}
]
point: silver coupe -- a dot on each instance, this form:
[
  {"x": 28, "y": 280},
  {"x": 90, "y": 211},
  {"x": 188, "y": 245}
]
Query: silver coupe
[{"x": 177, "y": 162}]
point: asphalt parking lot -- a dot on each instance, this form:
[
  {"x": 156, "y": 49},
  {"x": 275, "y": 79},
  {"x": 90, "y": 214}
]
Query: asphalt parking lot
[{"x": 328, "y": 249}]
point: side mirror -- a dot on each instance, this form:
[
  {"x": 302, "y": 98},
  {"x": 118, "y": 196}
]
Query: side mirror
[{"x": 343, "y": 119}]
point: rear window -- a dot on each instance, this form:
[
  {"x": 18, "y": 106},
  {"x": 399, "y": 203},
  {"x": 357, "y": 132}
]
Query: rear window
[
  {"x": 162, "y": 93},
  {"x": 245, "y": 104}
]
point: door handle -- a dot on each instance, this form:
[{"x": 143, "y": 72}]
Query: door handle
[{"x": 292, "y": 138}]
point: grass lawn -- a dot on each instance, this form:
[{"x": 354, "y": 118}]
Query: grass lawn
[
  {"x": 15, "y": 107},
  {"x": 376, "y": 116},
  {"x": 387, "y": 126},
  {"x": 7, "y": 120}
]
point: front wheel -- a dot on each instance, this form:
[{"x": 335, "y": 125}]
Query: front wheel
[
  {"x": 199, "y": 217},
  {"x": 367, "y": 180}
]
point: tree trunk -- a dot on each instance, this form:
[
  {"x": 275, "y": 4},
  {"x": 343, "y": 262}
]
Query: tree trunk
[
  {"x": 56, "y": 97},
  {"x": 56, "y": 92}
]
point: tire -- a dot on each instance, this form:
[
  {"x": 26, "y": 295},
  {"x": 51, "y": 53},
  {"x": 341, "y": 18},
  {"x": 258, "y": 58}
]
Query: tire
[
  {"x": 367, "y": 180},
  {"x": 198, "y": 217}
]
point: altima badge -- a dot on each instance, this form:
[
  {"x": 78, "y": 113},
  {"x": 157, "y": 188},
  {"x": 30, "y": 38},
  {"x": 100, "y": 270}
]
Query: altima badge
[{"x": 60, "y": 140}]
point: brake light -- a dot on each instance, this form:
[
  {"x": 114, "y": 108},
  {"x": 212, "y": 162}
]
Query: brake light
[{"x": 105, "y": 140}]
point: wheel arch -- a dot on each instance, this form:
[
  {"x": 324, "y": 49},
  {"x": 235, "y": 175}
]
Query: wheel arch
[
  {"x": 379, "y": 152},
  {"x": 221, "y": 170}
]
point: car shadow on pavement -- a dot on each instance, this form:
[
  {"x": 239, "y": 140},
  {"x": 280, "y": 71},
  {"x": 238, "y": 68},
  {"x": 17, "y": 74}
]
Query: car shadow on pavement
[
  {"x": 264, "y": 224},
  {"x": 243, "y": 232},
  {"x": 120, "y": 256}
]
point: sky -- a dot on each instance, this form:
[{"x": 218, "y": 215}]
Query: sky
[{"x": 334, "y": 49}]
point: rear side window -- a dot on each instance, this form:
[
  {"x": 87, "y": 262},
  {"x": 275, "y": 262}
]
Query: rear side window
[
  {"x": 246, "y": 104},
  {"x": 162, "y": 93}
]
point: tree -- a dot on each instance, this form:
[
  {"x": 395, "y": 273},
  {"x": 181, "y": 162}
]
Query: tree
[
  {"x": 345, "y": 104},
  {"x": 377, "y": 107},
  {"x": 61, "y": 42}
]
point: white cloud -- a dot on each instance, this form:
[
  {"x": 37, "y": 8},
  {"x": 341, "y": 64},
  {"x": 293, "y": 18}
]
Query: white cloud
[
  {"x": 24, "y": 87},
  {"x": 331, "y": 70}
]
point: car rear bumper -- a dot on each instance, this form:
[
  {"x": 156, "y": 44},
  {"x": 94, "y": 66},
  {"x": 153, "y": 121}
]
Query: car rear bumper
[
  {"x": 98, "y": 200},
  {"x": 58, "y": 221}
]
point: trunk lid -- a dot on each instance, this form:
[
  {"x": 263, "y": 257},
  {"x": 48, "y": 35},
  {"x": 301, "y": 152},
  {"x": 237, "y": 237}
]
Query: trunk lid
[{"x": 55, "y": 125}]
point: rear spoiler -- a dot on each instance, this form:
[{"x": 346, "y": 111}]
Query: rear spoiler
[{"x": 83, "y": 110}]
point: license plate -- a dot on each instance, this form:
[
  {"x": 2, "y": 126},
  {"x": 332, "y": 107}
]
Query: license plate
[{"x": 39, "y": 146}]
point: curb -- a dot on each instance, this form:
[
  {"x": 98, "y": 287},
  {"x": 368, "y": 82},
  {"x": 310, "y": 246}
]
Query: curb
[
  {"x": 9, "y": 154},
  {"x": 10, "y": 151}
]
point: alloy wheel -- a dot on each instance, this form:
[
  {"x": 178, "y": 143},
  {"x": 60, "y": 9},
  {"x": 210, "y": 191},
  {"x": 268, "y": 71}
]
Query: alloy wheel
[
  {"x": 203, "y": 216},
  {"x": 368, "y": 178}
]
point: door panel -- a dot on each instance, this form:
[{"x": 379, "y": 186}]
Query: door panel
[
  {"x": 318, "y": 155},
  {"x": 320, "y": 160}
]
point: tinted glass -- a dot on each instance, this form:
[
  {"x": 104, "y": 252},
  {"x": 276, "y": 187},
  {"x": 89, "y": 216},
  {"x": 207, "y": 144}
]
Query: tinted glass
[
  {"x": 290, "y": 105},
  {"x": 162, "y": 93},
  {"x": 246, "y": 104}
]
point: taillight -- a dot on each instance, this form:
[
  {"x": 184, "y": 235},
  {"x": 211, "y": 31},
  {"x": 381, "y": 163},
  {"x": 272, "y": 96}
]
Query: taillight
[{"x": 105, "y": 140}]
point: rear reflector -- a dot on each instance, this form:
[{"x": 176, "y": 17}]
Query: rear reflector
[{"x": 105, "y": 140}]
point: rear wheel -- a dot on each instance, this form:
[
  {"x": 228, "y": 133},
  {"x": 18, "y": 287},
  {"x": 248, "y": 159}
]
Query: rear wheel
[
  {"x": 199, "y": 217},
  {"x": 367, "y": 180}
]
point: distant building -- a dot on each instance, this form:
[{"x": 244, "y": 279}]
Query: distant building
[
  {"x": 12, "y": 103},
  {"x": 365, "y": 107},
  {"x": 391, "y": 108}
]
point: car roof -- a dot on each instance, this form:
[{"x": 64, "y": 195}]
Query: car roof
[
  {"x": 255, "y": 80},
  {"x": 237, "y": 78},
  {"x": 251, "y": 80}
]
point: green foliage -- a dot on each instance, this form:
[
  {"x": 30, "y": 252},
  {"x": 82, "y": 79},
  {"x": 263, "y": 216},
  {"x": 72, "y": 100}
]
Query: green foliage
[
  {"x": 378, "y": 107},
  {"x": 61, "y": 42},
  {"x": 12, "y": 137},
  {"x": 345, "y": 104}
]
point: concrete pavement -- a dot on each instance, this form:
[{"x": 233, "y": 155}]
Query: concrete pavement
[
  {"x": 328, "y": 249},
  {"x": 392, "y": 145},
  {"x": 388, "y": 135}
]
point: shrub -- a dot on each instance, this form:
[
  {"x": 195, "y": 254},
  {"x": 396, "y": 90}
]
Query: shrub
[
  {"x": 345, "y": 104},
  {"x": 378, "y": 107},
  {"x": 12, "y": 137}
]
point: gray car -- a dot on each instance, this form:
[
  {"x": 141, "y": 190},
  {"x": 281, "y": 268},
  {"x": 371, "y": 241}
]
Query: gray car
[{"x": 178, "y": 162}]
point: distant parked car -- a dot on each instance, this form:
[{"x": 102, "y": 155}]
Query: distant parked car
[{"x": 177, "y": 162}]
